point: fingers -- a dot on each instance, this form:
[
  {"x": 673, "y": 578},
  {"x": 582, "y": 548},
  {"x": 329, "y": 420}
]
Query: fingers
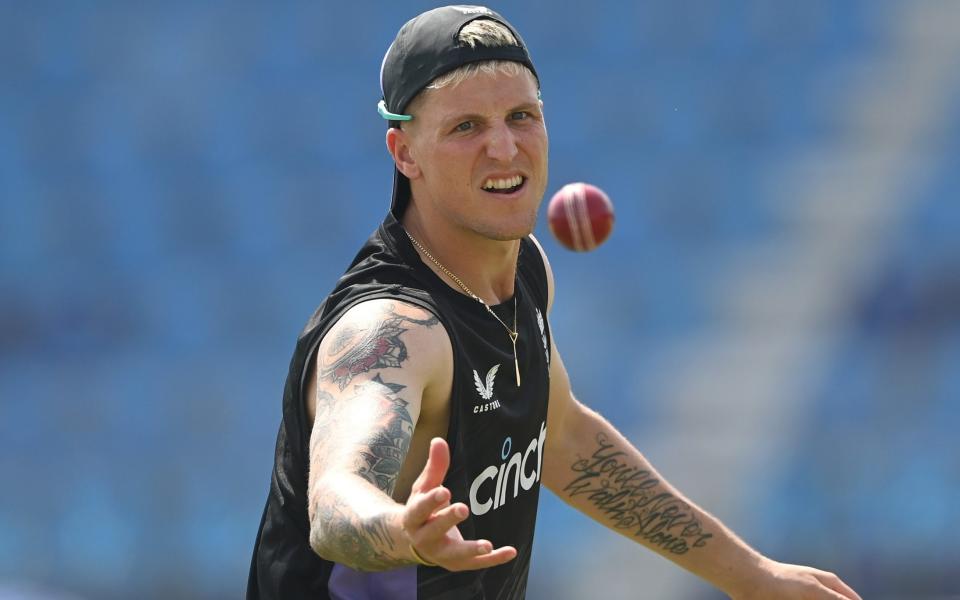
[
  {"x": 481, "y": 555},
  {"x": 431, "y": 522},
  {"x": 421, "y": 506},
  {"x": 439, "y": 541},
  {"x": 441, "y": 522},
  {"x": 434, "y": 472},
  {"x": 469, "y": 555}
]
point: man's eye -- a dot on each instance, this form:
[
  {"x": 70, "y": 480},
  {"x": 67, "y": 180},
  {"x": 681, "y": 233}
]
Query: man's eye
[
  {"x": 519, "y": 115},
  {"x": 465, "y": 126}
]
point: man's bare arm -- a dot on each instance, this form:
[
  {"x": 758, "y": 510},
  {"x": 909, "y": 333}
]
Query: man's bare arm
[
  {"x": 371, "y": 372},
  {"x": 383, "y": 377},
  {"x": 348, "y": 524},
  {"x": 595, "y": 469}
]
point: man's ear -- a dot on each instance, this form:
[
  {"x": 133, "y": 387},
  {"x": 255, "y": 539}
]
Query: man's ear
[{"x": 398, "y": 144}]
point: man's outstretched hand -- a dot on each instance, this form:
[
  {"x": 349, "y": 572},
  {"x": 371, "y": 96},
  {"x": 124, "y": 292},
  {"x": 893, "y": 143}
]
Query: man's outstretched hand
[
  {"x": 430, "y": 521},
  {"x": 795, "y": 582}
]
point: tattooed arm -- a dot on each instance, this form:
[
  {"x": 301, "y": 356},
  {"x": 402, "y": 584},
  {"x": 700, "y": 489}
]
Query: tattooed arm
[
  {"x": 380, "y": 392},
  {"x": 596, "y": 470},
  {"x": 372, "y": 375},
  {"x": 590, "y": 466}
]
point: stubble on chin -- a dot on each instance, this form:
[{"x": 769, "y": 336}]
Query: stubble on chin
[{"x": 519, "y": 229}]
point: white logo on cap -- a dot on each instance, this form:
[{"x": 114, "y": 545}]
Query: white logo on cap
[{"x": 473, "y": 10}]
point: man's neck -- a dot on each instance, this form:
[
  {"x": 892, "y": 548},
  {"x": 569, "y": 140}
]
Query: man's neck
[{"x": 486, "y": 267}]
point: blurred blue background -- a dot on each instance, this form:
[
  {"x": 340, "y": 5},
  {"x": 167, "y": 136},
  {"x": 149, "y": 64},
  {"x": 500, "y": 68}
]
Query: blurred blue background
[{"x": 775, "y": 321}]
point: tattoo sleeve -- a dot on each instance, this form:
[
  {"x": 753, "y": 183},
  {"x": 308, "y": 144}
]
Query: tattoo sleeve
[
  {"x": 363, "y": 544},
  {"x": 633, "y": 500},
  {"x": 369, "y": 429},
  {"x": 356, "y": 350},
  {"x": 344, "y": 533}
]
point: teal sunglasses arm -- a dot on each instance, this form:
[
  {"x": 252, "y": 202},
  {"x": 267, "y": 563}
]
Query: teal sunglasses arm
[{"x": 386, "y": 114}]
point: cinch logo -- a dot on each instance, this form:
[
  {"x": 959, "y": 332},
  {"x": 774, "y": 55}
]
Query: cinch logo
[{"x": 525, "y": 474}]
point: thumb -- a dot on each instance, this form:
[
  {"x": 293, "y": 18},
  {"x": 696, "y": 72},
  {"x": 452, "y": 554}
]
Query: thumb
[{"x": 434, "y": 472}]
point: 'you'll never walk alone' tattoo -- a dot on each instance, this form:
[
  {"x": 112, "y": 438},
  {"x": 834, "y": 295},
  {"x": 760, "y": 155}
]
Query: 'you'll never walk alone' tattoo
[{"x": 632, "y": 499}]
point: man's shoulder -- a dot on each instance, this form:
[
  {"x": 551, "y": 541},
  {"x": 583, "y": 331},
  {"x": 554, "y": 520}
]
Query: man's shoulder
[{"x": 390, "y": 334}]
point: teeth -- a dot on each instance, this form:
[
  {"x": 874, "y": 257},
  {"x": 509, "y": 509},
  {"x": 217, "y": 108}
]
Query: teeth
[{"x": 503, "y": 184}]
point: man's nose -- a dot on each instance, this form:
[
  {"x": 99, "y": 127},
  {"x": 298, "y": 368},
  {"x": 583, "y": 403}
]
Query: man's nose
[{"x": 502, "y": 144}]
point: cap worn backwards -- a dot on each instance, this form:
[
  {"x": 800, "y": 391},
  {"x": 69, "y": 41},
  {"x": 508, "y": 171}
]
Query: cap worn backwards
[{"x": 425, "y": 48}]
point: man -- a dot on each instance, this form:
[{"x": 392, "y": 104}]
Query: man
[{"x": 426, "y": 400}]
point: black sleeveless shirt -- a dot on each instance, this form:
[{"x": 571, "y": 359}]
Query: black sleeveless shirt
[{"x": 496, "y": 434}]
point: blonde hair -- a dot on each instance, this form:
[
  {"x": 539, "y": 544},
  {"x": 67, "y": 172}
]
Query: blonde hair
[
  {"x": 488, "y": 67},
  {"x": 482, "y": 32}
]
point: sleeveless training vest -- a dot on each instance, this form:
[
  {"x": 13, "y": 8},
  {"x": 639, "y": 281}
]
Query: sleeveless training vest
[{"x": 496, "y": 433}]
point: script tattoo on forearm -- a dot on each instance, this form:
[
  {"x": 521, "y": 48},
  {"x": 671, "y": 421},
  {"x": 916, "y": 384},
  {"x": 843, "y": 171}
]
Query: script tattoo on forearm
[
  {"x": 633, "y": 500},
  {"x": 363, "y": 543},
  {"x": 356, "y": 350}
]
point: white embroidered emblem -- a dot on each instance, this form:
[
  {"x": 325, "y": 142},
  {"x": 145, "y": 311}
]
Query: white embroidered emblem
[
  {"x": 543, "y": 335},
  {"x": 485, "y": 389}
]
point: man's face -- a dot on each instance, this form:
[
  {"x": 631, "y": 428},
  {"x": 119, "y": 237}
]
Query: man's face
[{"x": 480, "y": 148}]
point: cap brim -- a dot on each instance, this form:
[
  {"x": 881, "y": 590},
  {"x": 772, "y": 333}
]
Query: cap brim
[{"x": 401, "y": 194}]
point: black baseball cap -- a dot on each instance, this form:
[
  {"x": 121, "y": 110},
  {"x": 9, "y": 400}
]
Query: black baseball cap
[{"x": 425, "y": 48}]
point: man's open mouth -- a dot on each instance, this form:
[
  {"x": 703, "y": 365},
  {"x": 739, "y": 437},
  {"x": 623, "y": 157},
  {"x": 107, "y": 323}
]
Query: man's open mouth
[{"x": 504, "y": 186}]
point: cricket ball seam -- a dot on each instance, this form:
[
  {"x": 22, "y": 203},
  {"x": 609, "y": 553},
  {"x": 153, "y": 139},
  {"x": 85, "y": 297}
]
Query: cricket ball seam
[
  {"x": 589, "y": 241},
  {"x": 572, "y": 223}
]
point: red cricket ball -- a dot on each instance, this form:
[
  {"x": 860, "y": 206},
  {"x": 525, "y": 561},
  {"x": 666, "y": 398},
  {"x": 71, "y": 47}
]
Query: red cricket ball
[{"x": 580, "y": 216}]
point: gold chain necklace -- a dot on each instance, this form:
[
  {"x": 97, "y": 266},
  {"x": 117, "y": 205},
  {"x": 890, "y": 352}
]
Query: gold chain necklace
[{"x": 513, "y": 333}]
